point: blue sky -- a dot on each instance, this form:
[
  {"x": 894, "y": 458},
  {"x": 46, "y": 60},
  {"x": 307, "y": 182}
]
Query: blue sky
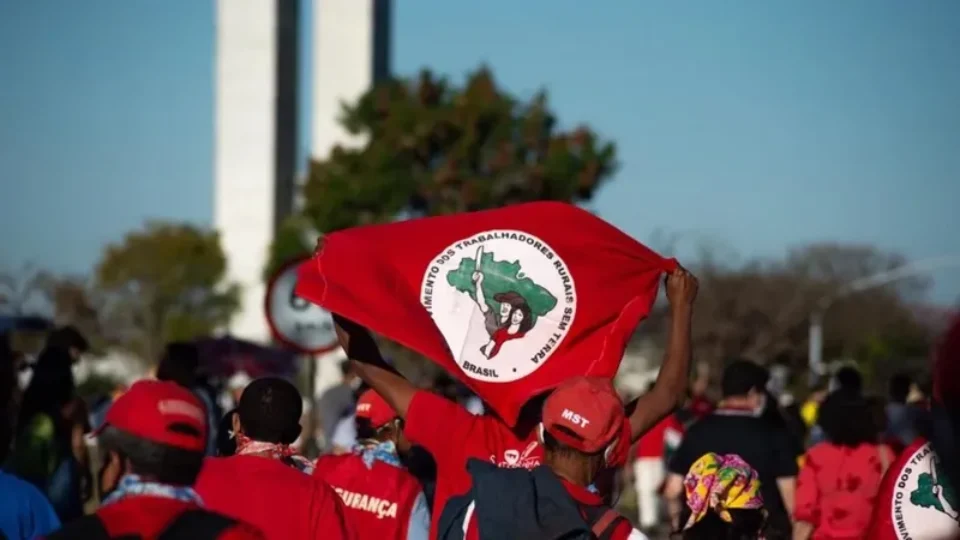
[{"x": 760, "y": 125}]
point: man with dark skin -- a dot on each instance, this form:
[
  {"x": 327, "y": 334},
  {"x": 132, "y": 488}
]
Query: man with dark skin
[{"x": 453, "y": 435}]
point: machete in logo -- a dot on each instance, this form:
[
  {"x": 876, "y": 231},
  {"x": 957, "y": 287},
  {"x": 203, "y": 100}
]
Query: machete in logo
[{"x": 503, "y": 300}]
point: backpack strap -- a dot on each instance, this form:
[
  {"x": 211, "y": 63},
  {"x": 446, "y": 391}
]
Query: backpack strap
[
  {"x": 600, "y": 526},
  {"x": 196, "y": 524},
  {"x": 86, "y": 528},
  {"x": 602, "y": 520}
]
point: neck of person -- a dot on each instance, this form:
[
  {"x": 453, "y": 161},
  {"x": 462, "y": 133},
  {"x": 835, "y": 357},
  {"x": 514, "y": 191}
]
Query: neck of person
[
  {"x": 738, "y": 402},
  {"x": 570, "y": 470},
  {"x": 373, "y": 442}
]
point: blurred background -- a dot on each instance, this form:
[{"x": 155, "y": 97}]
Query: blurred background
[{"x": 160, "y": 161}]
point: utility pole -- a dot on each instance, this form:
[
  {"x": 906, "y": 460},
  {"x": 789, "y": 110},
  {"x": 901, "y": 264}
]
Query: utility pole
[{"x": 815, "y": 353}]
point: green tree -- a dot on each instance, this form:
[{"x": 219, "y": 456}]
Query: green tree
[
  {"x": 434, "y": 148},
  {"x": 164, "y": 283}
]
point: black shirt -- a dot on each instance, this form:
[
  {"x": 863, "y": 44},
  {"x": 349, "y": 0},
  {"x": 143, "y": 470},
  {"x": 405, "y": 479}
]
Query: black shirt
[{"x": 767, "y": 449}]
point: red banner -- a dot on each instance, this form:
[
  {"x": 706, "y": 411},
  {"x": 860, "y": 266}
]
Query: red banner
[{"x": 510, "y": 301}]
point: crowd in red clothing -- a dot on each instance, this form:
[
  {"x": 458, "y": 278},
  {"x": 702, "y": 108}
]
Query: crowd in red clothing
[{"x": 542, "y": 463}]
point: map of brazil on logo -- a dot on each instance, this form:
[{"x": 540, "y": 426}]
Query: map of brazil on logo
[
  {"x": 924, "y": 503},
  {"x": 504, "y": 302}
]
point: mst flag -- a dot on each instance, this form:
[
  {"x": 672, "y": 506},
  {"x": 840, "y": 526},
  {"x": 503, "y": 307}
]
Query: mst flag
[{"x": 511, "y": 301}]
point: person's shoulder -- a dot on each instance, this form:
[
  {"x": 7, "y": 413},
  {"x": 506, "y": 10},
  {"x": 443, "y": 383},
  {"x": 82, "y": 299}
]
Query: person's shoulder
[
  {"x": 23, "y": 492},
  {"x": 822, "y": 449},
  {"x": 329, "y": 462},
  {"x": 704, "y": 426},
  {"x": 215, "y": 466}
]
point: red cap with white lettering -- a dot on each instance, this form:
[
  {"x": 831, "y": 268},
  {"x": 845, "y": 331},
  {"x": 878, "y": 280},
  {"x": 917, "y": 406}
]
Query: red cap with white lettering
[
  {"x": 160, "y": 412},
  {"x": 374, "y": 408},
  {"x": 584, "y": 413}
]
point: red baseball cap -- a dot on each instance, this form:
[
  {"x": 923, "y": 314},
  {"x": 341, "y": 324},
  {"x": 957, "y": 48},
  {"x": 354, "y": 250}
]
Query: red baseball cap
[
  {"x": 375, "y": 409},
  {"x": 153, "y": 411},
  {"x": 584, "y": 413}
]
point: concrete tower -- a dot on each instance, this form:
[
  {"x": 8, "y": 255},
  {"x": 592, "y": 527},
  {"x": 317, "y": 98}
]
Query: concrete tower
[
  {"x": 256, "y": 119},
  {"x": 351, "y": 51},
  {"x": 256, "y": 141}
]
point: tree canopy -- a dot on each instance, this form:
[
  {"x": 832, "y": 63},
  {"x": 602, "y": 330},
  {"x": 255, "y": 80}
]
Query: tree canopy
[
  {"x": 761, "y": 309},
  {"x": 434, "y": 148},
  {"x": 164, "y": 283}
]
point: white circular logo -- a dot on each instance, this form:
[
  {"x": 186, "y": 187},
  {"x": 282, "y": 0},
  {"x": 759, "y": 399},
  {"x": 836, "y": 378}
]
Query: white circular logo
[
  {"x": 295, "y": 322},
  {"x": 503, "y": 300},
  {"x": 924, "y": 504}
]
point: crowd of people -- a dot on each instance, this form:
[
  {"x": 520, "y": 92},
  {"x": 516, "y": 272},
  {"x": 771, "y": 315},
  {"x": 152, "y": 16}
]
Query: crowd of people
[{"x": 407, "y": 463}]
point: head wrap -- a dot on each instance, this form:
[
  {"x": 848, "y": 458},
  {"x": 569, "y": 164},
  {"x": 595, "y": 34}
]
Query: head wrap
[{"x": 721, "y": 483}]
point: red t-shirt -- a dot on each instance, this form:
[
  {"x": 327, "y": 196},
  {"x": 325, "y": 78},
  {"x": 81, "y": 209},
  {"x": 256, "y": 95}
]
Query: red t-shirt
[
  {"x": 653, "y": 443},
  {"x": 914, "y": 502},
  {"x": 580, "y": 494},
  {"x": 836, "y": 488},
  {"x": 147, "y": 517},
  {"x": 281, "y": 501},
  {"x": 453, "y": 436},
  {"x": 378, "y": 499}
]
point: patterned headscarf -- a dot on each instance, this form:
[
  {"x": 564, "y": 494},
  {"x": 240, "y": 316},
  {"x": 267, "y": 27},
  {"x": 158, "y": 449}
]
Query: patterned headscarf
[
  {"x": 247, "y": 446},
  {"x": 721, "y": 483}
]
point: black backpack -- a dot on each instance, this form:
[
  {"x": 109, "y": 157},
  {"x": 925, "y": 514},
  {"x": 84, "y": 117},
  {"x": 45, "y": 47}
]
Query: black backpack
[
  {"x": 195, "y": 524},
  {"x": 517, "y": 503}
]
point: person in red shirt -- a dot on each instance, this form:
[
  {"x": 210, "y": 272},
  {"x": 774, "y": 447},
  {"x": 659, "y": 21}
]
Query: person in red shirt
[
  {"x": 840, "y": 476},
  {"x": 650, "y": 468},
  {"x": 382, "y": 499},
  {"x": 920, "y": 494},
  {"x": 582, "y": 423},
  {"x": 155, "y": 434},
  {"x": 453, "y": 435},
  {"x": 265, "y": 481}
]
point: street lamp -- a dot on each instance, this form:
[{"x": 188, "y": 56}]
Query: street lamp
[{"x": 815, "y": 354}]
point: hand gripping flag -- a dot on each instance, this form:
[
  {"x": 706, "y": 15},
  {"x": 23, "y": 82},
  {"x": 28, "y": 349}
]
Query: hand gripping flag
[{"x": 511, "y": 301}]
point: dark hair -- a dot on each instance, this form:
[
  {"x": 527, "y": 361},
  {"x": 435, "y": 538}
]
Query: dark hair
[
  {"x": 898, "y": 388},
  {"x": 270, "y": 410},
  {"x": 51, "y": 388},
  {"x": 847, "y": 419},
  {"x": 746, "y": 525},
  {"x": 849, "y": 380},
  {"x": 346, "y": 368},
  {"x": 166, "y": 464},
  {"x": 66, "y": 338},
  {"x": 742, "y": 376},
  {"x": 179, "y": 364},
  {"x": 552, "y": 445}
]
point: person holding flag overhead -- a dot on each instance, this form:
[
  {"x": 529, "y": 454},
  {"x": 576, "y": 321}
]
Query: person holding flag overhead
[
  {"x": 581, "y": 426},
  {"x": 585, "y": 283}
]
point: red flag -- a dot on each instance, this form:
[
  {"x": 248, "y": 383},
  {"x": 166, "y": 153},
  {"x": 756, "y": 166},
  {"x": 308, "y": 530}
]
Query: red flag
[{"x": 510, "y": 301}]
